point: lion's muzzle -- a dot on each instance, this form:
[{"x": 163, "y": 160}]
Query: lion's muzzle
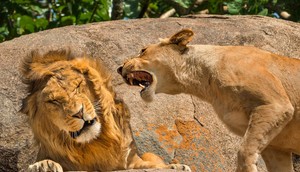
[{"x": 86, "y": 125}]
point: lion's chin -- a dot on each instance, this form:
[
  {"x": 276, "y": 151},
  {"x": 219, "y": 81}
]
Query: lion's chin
[{"x": 90, "y": 134}]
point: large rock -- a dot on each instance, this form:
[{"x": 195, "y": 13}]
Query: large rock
[{"x": 176, "y": 127}]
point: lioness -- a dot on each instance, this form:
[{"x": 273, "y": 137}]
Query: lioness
[
  {"x": 254, "y": 92},
  {"x": 77, "y": 121}
]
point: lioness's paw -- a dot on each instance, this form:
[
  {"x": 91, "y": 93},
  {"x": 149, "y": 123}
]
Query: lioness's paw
[
  {"x": 180, "y": 167},
  {"x": 45, "y": 165}
]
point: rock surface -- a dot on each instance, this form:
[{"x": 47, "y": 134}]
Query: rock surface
[{"x": 177, "y": 127}]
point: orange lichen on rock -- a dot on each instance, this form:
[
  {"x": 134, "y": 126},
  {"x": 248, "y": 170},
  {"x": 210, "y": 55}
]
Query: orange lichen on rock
[
  {"x": 196, "y": 145},
  {"x": 169, "y": 138},
  {"x": 185, "y": 142}
]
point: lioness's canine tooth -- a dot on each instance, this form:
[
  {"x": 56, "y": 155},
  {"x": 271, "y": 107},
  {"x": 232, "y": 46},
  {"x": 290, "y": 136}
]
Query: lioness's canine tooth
[
  {"x": 141, "y": 86},
  {"x": 131, "y": 75},
  {"x": 130, "y": 81}
]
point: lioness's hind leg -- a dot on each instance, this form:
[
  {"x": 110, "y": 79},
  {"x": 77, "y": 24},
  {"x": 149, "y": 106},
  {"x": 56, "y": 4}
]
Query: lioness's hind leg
[
  {"x": 278, "y": 161},
  {"x": 45, "y": 166},
  {"x": 266, "y": 122}
]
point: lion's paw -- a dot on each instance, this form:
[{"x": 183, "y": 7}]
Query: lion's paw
[
  {"x": 180, "y": 167},
  {"x": 45, "y": 165}
]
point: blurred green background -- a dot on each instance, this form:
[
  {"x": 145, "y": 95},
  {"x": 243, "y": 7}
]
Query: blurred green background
[{"x": 19, "y": 17}]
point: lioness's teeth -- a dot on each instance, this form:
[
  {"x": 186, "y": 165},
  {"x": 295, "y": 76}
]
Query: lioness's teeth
[{"x": 141, "y": 86}]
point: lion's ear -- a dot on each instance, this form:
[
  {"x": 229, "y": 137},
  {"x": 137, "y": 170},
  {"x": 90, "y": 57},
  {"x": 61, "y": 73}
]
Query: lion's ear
[
  {"x": 32, "y": 67},
  {"x": 182, "y": 38}
]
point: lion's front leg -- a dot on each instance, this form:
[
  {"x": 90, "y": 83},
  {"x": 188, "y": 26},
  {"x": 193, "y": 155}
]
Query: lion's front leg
[
  {"x": 182, "y": 167},
  {"x": 150, "y": 160},
  {"x": 45, "y": 166},
  {"x": 266, "y": 122}
]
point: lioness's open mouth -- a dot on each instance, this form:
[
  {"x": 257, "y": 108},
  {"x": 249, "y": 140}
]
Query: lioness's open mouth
[
  {"x": 86, "y": 124},
  {"x": 139, "y": 78}
]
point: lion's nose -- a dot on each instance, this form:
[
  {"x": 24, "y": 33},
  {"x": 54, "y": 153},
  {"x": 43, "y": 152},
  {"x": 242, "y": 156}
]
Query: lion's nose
[
  {"x": 119, "y": 70},
  {"x": 79, "y": 114}
]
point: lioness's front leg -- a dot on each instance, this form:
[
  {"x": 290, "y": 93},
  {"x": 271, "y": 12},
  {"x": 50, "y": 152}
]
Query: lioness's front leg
[
  {"x": 266, "y": 122},
  {"x": 45, "y": 166},
  {"x": 278, "y": 160}
]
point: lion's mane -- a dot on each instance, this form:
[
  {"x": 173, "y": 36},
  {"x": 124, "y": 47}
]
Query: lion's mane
[{"x": 112, "y": 148}]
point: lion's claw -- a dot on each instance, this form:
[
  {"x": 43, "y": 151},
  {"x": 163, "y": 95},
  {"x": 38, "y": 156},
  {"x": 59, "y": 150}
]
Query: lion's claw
[
  {"x": 180, "y": 167},
  {"x": 45, "y": 166}
]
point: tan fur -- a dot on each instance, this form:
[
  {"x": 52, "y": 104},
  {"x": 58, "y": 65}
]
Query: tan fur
[
  {"x": 254, "y": 92},
  {"x": 65, "y": 94}
]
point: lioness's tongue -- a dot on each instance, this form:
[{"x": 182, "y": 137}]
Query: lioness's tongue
[{"x": 146, "y": 83}]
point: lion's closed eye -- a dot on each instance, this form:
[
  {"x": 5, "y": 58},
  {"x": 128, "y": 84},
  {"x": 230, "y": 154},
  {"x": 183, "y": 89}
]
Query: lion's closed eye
[
  {"x": 78, "y": 88},
  {"x": 54, "y": 102}
]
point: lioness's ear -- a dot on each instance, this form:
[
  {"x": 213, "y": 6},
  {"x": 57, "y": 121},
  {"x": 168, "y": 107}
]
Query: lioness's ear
[{"x": 182, "y": 38}]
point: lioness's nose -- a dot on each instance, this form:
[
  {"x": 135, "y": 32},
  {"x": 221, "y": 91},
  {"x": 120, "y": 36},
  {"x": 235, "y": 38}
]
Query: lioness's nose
[{"x": 119, "y": 70}]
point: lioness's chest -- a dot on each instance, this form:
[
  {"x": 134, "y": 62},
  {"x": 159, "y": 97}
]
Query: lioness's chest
[{"x": 235, "y": 120}]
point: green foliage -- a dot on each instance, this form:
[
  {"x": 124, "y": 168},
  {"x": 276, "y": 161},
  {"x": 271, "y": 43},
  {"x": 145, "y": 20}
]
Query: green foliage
[
  {"x": 247, "y": 7},
  {"x": 215, "y": 6},
  {"x": 264, "y": 7},
  {"x": 19, "y": 17},
  {"x": 132, "y": 8},
  {"x": 157, "y": 7},
  {"x": 235, "y": 6}
]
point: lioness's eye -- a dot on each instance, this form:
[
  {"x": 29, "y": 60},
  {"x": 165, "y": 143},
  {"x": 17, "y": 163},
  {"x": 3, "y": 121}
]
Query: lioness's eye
[{"x": 143, "y": 50}]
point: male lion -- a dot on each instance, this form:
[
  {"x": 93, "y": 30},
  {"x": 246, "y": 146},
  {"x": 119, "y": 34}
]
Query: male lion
[
  {"x": 254, "y": 92},
  {"x": 77, "y": 121}
]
